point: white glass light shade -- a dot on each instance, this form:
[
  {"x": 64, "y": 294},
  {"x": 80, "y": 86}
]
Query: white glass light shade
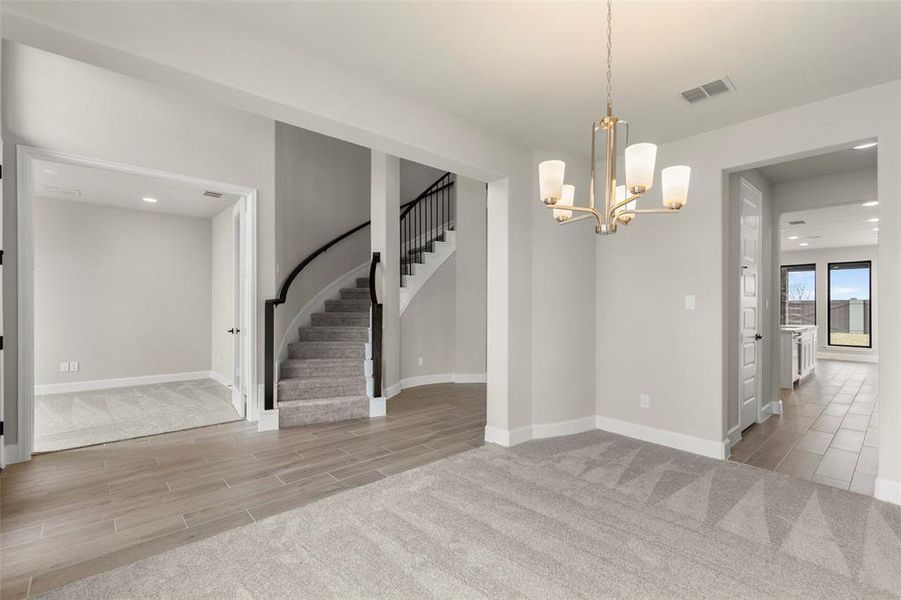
[
  {"x": 550, "y": 180},
  {"x": 566, "y": 199},
  {"x": 675, "y": 186},
  {"x": 640, "y": 159}
]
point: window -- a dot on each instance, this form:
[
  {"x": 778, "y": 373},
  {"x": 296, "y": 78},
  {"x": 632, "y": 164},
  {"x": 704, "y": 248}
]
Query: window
[
  {"x": 799, "y": 295},
  {"x": 850, "y": 304}
]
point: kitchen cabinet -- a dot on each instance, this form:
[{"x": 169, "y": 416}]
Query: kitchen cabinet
[{"x": 799, "y": 353}]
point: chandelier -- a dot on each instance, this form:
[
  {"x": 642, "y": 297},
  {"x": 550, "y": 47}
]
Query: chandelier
[{"x": 620, "y": 202}]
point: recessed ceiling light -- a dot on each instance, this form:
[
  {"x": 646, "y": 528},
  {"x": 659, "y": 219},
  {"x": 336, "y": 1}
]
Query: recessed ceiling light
[
  {"x": 51, "y": 172},
  {"x": 871, "y": 203},
  {"x": 865, "y": 146},
  {"x": 793, "y": 237},
  {"x": 149, "y": 200},
  {"x": 873, "y": 220},
  {"x": 803, "y": 244}
]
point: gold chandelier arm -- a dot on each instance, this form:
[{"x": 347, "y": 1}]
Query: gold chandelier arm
[
  {"x": 621, "y": 204},
  {"x": 575, "y": 219},
  {"x": 584, "y": 209},
  {"x": 648, "y": 211}
]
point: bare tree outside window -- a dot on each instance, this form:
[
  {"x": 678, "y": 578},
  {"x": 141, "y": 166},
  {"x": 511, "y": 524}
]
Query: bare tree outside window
[{"x": 799, "y": 295}]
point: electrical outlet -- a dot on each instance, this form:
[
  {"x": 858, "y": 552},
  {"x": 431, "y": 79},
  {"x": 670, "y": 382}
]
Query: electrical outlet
[
  {"x": 420, "y": 361},
  {"x": 63, "y": 367},
  {"x": 690, "y": 302},
  {"x": 645, "y": 400},
  {"x": 73, "y": 367}
]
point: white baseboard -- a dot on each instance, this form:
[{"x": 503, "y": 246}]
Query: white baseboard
[
  {"x": 434, "y": 378},
  {"x": 888, "y": 490},
  {"x": 377, "y": 407},
  {"x": 865, "y": 358},
  {"x": 733, "y": 437},
  {"x": 470, "y": 377},
  {"x": 268, "y": 420},
  {"x": 221, "y": 379},
  {"x": 539, "y": 431},
  {"x": 680, "y": 441},
  {"x": 392, "y": 390},
  {"x": 769, "y": 409},
  {"x": 106, "y": 384}
]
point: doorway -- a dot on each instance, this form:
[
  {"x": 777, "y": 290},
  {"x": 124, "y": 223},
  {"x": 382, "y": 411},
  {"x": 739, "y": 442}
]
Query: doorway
[
  {"x": 137, "y": 316},
  {"x": 817, "y": 416}
]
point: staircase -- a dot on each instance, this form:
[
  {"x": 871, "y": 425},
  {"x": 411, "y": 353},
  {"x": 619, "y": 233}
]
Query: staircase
[
  {"x": 324, "y": 378},
  {"x": 420, "y": 263}
]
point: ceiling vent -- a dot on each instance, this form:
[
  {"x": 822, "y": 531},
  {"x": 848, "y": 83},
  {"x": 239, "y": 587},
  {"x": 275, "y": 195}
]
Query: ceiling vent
[
  {"x": 209, "y": 194},
  {"x": 708, "y": 90},
  {"x": 799, "y": 222}
]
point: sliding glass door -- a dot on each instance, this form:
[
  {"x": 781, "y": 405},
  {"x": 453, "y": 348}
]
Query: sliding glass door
[{"x": 850, "y": 304}]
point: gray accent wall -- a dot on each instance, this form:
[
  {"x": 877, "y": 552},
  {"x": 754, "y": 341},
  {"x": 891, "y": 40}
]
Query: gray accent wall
[{"x": 125, "y": 293}]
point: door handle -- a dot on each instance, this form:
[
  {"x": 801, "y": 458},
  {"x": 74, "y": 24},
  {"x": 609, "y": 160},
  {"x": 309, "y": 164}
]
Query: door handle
[
  {"x": 758, "y": 337},
  {"x": 232, "y": 330}
]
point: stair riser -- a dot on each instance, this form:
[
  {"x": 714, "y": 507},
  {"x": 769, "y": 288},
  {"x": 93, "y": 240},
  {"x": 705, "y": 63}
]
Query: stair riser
[
  {"x": 330, "y": 334},
  {"x": 351, "y": 306},
  {"x": 362, "y": 282},
  {"x": 355, "y": 293},
  {"x": 310, "y": 392},
  {"x": 296, "y": 416},
  {"x": 326, "y": 350},
  {"x": 341, "y": 319},
  {"x": 317, "y": 371}
]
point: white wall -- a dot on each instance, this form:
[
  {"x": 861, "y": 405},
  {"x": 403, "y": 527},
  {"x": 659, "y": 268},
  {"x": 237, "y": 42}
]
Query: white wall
[
  {"x": 822, "y": 257},
  {"x": 662, "y": 259},
  {"x": 471, "y": 292},
  {"x": 836, "y": 189},
  {"x": 103, "y": 292},
  {"x": 222, "y": 343},
  {"x": 415, "y": 178},
  {"x": 428, "y": 326},
  {"x": 109, "y": 116}
]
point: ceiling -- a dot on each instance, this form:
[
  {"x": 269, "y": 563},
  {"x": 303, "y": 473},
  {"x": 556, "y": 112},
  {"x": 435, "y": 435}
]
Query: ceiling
[
  {"x": 95, "y": 186},
  {"x": 834, "y": 227},
  {"x": 832, "y": 163},
  {"x": 534, "y": 71}
]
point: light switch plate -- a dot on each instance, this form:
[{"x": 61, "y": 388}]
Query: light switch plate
[
  {"x": 73, "y": 367},
  {"x": 645, "y": 400},
  {"x": 420, "y": 361},
  {"x": 690, "y": 302},
  {"x": 63, "y": 367}
]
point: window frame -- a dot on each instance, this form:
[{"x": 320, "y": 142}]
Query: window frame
[
  {"x": 829, "y": 269},
  {"x": 801, "y": 267}
]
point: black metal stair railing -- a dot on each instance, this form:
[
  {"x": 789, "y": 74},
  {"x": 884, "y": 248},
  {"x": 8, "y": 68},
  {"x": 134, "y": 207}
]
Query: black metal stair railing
[{"x": 426, "y": 220}]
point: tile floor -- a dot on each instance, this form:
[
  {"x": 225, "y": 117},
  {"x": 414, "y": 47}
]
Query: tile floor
[{"x": 828, "y": 431}]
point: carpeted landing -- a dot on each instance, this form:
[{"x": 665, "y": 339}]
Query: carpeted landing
[{"x": 591, "y": 515}]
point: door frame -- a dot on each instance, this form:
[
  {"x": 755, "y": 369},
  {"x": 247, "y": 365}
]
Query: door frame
[
  {"x": 25, "y": 155},
  {"x": 239, "y": 314},
  {"x": 761, "y": 271}
]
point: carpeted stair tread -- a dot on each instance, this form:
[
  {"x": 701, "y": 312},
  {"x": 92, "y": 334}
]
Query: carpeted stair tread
[
  {"x": 333, "y": 333},
  {"x": 350, "y": 306},
  {"x": 293, "y": 413},
  {"x": 362, "y": 282},
  {"x": 322, "y": 367},
  {"x": 311, "y": 388},
  {"x": 327, "y": 350},
  {"x": 355, "y": 293},
  {"x": 351, "y": 319}
]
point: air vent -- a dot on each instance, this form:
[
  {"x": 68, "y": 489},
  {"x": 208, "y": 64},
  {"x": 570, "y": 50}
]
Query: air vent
[
  {"x": 210, "y": 194},
  {"x": 708, "y": 90},
  {"x": 801, "y": 222}
]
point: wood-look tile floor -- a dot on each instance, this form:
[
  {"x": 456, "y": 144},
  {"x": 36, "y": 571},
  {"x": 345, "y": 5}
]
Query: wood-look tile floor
[
  {"x": 71, "y": 514},
  {"x": 828, "y": 431}
]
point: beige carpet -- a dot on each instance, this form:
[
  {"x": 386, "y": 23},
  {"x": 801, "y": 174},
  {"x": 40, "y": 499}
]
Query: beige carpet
[
  {"x": 79, "y": 419},
  {"x": 592, "y": 515}
]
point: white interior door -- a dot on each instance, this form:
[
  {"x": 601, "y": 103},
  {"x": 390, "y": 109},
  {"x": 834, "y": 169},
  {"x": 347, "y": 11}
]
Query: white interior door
[
  {"x": 750, "y": 201},
  {"x": 239, "y": 393}
]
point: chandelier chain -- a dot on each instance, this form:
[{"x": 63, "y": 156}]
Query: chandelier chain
[{"x": 609, "y": 53}]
